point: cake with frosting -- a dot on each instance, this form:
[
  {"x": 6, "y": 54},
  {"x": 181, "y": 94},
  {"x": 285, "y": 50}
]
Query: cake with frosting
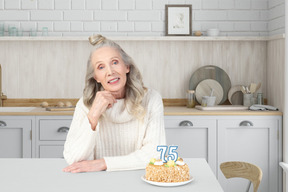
[{"x": 172, "y": 171}]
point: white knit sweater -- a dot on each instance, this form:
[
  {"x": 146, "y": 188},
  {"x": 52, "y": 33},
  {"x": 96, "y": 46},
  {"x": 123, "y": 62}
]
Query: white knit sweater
[{"x": 124, "y": 142}]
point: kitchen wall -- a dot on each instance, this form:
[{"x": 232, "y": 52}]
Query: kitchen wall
[
  {"x": 275, "y": 73},
  {"x": 141, "y": 17},
  {"x": 56, "y": 69}
]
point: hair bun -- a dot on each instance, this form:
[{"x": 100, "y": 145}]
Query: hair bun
[{"x": 96, "y": 39}]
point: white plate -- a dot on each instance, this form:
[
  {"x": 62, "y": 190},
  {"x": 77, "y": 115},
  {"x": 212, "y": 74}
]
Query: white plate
[
  {"x": 204, "y": 89},
  {"x": 162, "y": 184}
]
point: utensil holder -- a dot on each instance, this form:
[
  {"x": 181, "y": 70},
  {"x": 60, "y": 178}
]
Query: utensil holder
[{"x": 248, "y": 99}]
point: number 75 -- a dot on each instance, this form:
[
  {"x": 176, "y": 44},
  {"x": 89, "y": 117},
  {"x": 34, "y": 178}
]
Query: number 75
[{"x": 172, "y": 154}]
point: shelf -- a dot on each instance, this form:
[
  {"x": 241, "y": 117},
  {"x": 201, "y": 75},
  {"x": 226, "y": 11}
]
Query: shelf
[{"x": 150, "y": 38}]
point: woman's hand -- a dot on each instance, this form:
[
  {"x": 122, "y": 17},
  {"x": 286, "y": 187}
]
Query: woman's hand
[
  {"x": 102, "y": 101},
  {"x": 86, "y": 166}
]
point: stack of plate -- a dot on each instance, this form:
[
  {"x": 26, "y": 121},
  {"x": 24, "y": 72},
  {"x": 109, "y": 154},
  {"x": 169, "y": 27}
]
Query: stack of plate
[{"x": 210, "y": 77}]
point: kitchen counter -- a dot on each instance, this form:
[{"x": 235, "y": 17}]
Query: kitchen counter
[
  {"x": 43, "y": 175},
  {"x": 168, "y": 111}
]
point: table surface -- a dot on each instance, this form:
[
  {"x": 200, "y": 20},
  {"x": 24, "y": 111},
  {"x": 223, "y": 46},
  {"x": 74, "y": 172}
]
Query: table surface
[{"x": 43, "y": 175}]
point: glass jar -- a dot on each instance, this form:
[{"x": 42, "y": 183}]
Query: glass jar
[
  {"x": 260, "y": 99},
  {"x": 191, "y": 102}
]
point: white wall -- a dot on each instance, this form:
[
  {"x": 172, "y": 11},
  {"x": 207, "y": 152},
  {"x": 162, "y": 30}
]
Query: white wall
[
  {"x": 141, "y": 17},
  {"x": 276, "y": 20}
]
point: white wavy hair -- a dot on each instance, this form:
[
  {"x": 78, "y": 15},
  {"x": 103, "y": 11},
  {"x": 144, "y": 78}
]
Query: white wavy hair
[{"x": 134, "y": 88}]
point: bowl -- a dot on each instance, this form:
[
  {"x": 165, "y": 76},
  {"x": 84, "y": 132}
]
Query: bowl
[{"x": 208, "y": 101}]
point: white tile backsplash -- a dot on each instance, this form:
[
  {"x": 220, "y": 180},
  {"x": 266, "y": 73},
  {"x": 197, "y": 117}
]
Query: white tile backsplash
[
  {"x": 219, "y": 15},
  {"x": 93, "y": 5},
  {"x": 158, "y": 26},
  {"x": 12, "y": 4},
  {"x": 125, "y": 26},
  {"x": 160, "y": 4},
  {"x": 28, "y": 4},
  {"x": 242, "y": 27},
  {"x": 226, "y": 4},
  {"x": 62, "y": 4},
  {"x": 110, "y": 15},
  {"x": 45, "y": 4},
  {"x": 143, "y": 15},
  {"x": 1, "y": 4},
  {"x": 142, "y": 26},
  {"x": 108, "y": 26},
  {"x": 109, "y": 4},
  {"x": 61, "y": 26},
  {"x": 92, "y": 26},
  {"x": 205, "y": 14},
  {"x": 81, "y": 15},
  {"x": 143, "y": 4},
  {"x": 210, "y": 4},
  {"x": 243, "y": 4},
  {"x": 14, "y": 16},
  {"x": 126, "y": 4},
  {"x": 78, "y": 4},
  {"x": 76, "y": 26}
]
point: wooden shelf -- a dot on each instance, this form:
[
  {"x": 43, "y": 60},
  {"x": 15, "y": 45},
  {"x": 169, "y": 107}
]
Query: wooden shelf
[{"x": 149, "y": 38}]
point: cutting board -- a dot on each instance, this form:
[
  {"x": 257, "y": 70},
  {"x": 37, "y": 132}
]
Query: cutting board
[
  {"x": 60, "y": 108},
  {"x": 204, "y": 89},
  {"x": 222, "y": 108}
]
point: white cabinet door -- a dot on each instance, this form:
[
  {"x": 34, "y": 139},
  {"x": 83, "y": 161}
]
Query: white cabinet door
[
  {"x": 195, "y": 137},
  {"x": 254, "y": 140},
  {"x": 51, "y": 134},
  {"x": 15, "y": 137}
]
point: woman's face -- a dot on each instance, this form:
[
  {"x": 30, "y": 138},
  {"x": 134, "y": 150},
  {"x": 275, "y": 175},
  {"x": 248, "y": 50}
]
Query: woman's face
[{"x": 110, "y": 70}]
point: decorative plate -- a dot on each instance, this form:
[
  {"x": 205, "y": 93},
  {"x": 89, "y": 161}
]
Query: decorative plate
[{"x": 211, "y": 72}]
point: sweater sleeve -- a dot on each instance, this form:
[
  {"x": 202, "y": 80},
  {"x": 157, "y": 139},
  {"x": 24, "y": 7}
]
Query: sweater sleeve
[
  {"x": 80, "y": 141},
  {"x": 154, "y": 136}
]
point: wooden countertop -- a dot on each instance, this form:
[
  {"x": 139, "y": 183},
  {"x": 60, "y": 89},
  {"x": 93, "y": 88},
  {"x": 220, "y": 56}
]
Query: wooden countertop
[
  {"x": 168, "y": 111},
  {"x": 181, "y": 110}
]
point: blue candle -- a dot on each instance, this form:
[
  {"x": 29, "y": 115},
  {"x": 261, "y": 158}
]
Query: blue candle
[{"x": 172, "y": 154}]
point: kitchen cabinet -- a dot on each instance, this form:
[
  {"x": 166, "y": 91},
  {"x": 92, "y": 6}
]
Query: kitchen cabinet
[
  {"x": 51, "y": 132},
  {"x": 256, "y": 140},
  {"x": 16, "y": 136},
  {"x": 194, "y": 136}
]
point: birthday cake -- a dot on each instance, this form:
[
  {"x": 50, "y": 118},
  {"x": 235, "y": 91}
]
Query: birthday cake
[{"x": 171, "y": 171}]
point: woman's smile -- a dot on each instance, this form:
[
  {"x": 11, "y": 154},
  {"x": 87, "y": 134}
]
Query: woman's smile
[{"x": 114, "y": 81}]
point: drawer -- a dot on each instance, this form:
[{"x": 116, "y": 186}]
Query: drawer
[
  {"x": 187, "y": 122},
  {"x": 51, "y": 151},
  {"x": 53, "y": 129},
  {"x": 14, "y": 123}
]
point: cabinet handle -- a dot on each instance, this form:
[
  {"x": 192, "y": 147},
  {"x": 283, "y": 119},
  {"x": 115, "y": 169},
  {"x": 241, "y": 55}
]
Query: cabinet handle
[
  {"x": 63, "y": 130},
  {"x": 2, "y": 124},
  {"x": 185, "y": 123},
  {"x": 246, "y": 123}
]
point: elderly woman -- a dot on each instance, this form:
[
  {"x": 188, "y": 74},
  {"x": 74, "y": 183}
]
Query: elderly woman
[{"x": 118, "y": 123}]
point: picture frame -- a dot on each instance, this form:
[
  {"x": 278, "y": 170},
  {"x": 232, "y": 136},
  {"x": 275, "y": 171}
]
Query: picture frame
[{"x": 178, "y": 20}]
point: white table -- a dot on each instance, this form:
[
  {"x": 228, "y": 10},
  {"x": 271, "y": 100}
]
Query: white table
[{"x": 45, "y": 175}]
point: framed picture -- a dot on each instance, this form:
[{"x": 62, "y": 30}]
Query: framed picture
[{"x": 178, "y": 19}]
